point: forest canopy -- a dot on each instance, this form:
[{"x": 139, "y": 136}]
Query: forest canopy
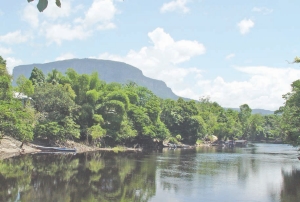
[{"x": 62, "y": 106}]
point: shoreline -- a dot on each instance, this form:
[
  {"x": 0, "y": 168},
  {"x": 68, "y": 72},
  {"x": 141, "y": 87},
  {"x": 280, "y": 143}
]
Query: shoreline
[{"x": 10, "y": 147}]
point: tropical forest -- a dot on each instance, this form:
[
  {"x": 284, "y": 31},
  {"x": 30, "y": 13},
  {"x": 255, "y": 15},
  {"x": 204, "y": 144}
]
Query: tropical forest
[{"x": 64, "y": 106}]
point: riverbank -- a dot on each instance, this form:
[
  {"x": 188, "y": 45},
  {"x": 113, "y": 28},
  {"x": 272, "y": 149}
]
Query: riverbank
[{"x": 10, "y": 147}]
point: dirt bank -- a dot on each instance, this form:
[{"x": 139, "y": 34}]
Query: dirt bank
[{"x": 10, "y": 147}]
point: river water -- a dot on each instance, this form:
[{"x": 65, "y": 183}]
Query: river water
[{"x": 262, "y": 172}]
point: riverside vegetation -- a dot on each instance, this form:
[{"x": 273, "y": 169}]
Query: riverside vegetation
[{"x": 82, "y": 107}]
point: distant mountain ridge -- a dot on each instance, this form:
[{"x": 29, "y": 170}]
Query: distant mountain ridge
[{"x": 109, "y": 71}]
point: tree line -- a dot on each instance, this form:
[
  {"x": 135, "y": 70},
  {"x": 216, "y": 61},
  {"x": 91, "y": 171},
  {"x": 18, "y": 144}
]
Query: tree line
[{"x": 72, "y": 106}]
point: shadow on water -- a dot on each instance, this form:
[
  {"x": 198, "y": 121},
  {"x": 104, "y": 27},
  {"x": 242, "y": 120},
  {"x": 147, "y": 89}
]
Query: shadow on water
[
  {"x": 290, "y": 189},
  {"x": 103, "y": 176}
]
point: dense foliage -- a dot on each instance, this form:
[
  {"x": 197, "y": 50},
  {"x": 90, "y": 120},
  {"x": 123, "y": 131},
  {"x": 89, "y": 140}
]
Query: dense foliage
[
  {"x": 83, "y": 107},
  {"x": 16, "y": 118}
]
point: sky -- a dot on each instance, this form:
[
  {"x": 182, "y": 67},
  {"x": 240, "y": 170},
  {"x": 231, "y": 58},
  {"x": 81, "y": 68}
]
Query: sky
[{"x": 234, "y": 52}]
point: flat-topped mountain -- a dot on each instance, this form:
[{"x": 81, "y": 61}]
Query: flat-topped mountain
[{"x": 109, "y": 71}]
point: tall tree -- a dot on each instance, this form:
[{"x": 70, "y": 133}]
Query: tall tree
[
  {"x": 54, "y": 77},
  {"x": 57, "y": 109},
  {"x": 256, "y": 127},
  {"x": 15, "y": 119},
  {"x": 244, "y": 115},
  {"x": 24, "y": 86},
  {"x": 2, "y": 61},
  {"x": 5, "y": 81},
  {"x": 291, "y": 113},
  {"x": 37, "y": 77}
]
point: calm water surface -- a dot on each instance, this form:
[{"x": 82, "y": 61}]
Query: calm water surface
[{"x": 263, "y": 172}]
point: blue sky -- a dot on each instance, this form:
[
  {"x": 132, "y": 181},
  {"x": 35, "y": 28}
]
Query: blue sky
[{"x": 233, "y": 51}]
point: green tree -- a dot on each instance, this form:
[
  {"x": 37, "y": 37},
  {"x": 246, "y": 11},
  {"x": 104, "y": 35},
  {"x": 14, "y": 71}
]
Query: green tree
[
  {"x": 16, "y": 121},
  {"x": 113, "y": 112},
  {"x": 54, "y": 77},
  {"x": 96, "y": 132},
  {"x": 140, "y": 120},
  {"x": 24, "y": 86},
  {"x": 57, "y": 112},
  {"x": 290, "y": 114},
  {"x": 81, "y": 88},
  {"x": 120, "y": 96},
  {"x": 233, "y": 125},
  {"x": 273, "y": 127},
  {"x": 2, "y": 61},
  {"x": 95, "y": 82},
  {"x": 5, "y": 82},
  {"x": 256, "y": 127},
  {"x": 37, "y": 77},
  {"x": 244, "y": 115},
  {"x": 153, "y": 109},
  {"x": 92, "y": 97}
]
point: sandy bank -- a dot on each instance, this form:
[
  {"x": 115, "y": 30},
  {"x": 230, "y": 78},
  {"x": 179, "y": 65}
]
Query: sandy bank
[{"x": 10, "y": 147}]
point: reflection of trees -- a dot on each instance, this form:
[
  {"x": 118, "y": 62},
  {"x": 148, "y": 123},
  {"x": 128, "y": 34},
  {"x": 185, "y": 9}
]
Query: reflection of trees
[
  {"x": 84, "y": 177},
  {"x": 14, "y": 177},
  {"x": 290, "y": 190},
  {"x": 176, "y": 164},
  {"x": 204, "y": 167}
]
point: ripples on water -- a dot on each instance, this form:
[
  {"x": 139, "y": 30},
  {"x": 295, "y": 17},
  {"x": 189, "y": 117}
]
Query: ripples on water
[{"x": 263, "y": 172}]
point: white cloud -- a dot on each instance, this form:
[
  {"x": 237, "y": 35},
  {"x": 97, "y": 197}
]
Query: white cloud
[
  {"x": 106, "y": 26},
  {"x": 228, "y": 57},
  {"x": 262, "y": 10},
  {"x": 11, "y": 63},
  {"x": 31, "y": 15},
  {"x": 245, "y": 26},
  {"x": 263, "y": 90},
  {"x": 187, "y": 93},
  {"x": 65, "y": 56},
  {"x": 5, "y": 51},
  {"x": 161, "y": 59},
  {"x": 54, "y": 12},
  {"x": 177, "y": 5},
  {"x": 59, "y": 32},
  {"x": 101, "y": 13},
  {"x": 99, "y": 16},
  {"x": 14, "y": 37}
]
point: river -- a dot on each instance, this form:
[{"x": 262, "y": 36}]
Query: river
[{"x": 262, "y": 172}]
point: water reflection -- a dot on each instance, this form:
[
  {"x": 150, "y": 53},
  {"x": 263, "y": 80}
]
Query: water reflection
[
  {"x": 290, "y": 190},
  {"x": 261, "y": 173},
  {"x": 85, "y": 177},
  {"x": 223, "y": 174}
]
